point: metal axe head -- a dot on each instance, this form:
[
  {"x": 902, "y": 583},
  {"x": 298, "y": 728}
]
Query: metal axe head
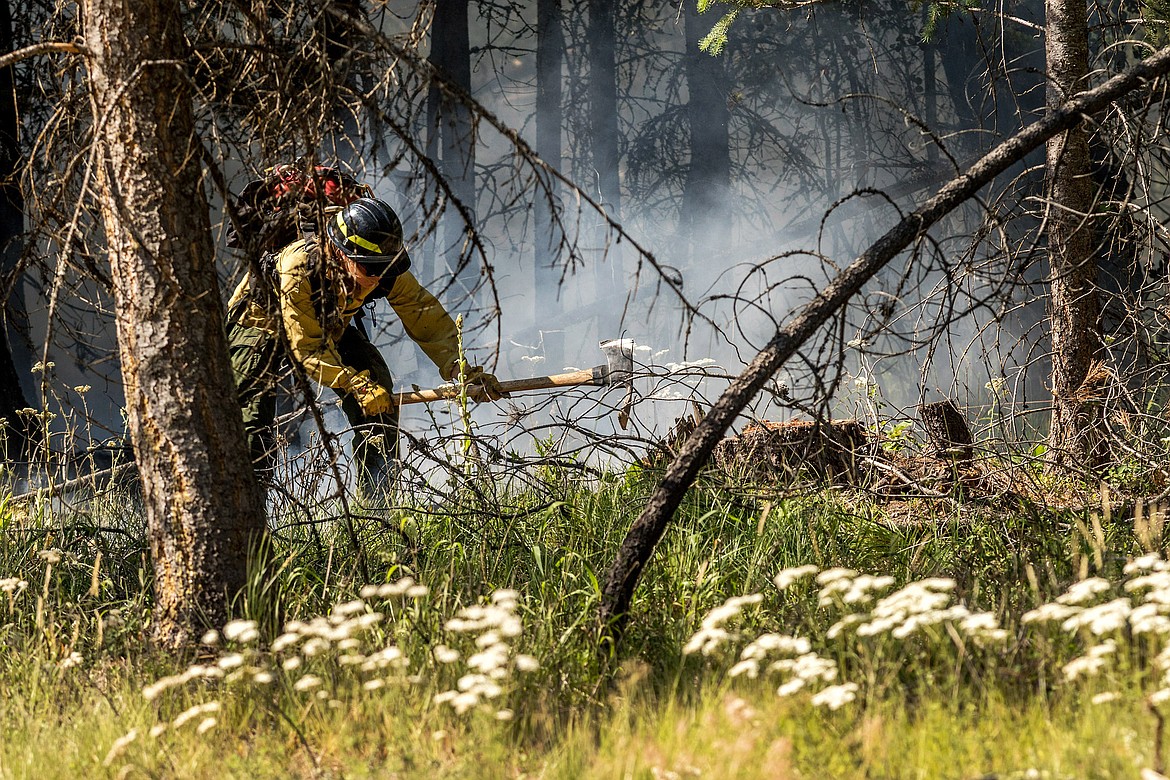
[
  {"x": 619, "y": 362},
  {"x": 619, "y": 372}
]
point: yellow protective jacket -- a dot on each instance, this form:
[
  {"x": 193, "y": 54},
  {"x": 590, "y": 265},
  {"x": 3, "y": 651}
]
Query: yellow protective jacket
[{"x": 423, "y": 317}]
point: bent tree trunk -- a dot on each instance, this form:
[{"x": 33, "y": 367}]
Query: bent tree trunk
[
  {"x": 204, "y": 509},
  {"x": 1074, "y": 439},
  {"x": 622, "y": 576}
]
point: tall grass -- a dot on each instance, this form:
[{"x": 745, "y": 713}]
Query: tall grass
[{"x": 74, "y": 660}]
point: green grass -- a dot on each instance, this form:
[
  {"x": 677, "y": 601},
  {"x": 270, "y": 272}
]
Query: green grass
[{"x": 928, "y": 707}]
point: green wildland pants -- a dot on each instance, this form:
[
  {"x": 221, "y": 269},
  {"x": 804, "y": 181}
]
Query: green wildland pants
[{"x": 259, "y": 363}]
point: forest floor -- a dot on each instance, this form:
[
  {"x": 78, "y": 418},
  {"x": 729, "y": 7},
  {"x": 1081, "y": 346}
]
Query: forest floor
[{"x": 778, "y": 633}]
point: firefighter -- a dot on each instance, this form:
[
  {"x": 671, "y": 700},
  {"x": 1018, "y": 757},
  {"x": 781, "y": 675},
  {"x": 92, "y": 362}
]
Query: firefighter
[{"x": 302, "y": 311}]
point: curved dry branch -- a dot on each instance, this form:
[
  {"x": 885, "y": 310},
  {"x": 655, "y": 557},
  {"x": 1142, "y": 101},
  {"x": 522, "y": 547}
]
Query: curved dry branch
[
  {"x": 622, "y": 577},
  {"x": 37, "y": 49}
]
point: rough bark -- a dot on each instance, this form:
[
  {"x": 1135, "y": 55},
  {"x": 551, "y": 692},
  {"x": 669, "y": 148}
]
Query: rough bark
[
  {"x": 550, "y": 55},
  {"x": 1074, "y": 310},
  {"x": 947, "y": 434},
  {"x": 203, "y": 507},
  {"x": 622, "y": 576},
  {"x": 705, "y": 216}
]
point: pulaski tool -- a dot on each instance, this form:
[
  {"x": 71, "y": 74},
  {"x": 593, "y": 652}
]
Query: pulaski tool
[{"x": 617, "y": 371}]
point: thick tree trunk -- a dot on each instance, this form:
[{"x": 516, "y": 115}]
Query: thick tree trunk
[
  {"x": 1074, "y": 440},
  {"x": 18, "y": 437},
  {"x": 706, "y": 213},
  {"x": 204, "y": 508},
  {"x": 550, "y": 56},
  {"x": 622, "y": 576}
]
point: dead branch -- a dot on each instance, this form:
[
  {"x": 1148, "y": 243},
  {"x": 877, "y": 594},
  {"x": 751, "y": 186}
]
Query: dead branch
[
  {"x": 37, "y": 49},
  {"x": 622, "y": 577}
]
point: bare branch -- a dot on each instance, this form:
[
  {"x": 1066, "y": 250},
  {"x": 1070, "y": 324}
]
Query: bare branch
[
  {"x": 37, "y": 49},
  {"x": 636, "y": 549}
]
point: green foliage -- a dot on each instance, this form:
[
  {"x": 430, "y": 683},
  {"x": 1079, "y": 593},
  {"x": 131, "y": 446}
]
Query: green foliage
[
  {"x": 1156, "y": 16},
  {"x": 714, "y": 42}
]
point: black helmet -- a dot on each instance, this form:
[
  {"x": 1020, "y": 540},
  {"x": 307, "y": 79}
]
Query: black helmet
[{"x": 368, "y": 232}]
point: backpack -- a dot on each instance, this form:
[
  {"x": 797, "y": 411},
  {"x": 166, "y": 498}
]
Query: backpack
[{"x": 287, "y": 203}]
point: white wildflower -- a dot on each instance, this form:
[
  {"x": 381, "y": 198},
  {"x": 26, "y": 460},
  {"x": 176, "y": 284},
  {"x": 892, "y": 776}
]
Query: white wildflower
[
  {"x": 230, "y": 661},
  {"x": 1050, "y": 613},
  {"x": 349, "y": 608},
  {"x": 315, "y": 647},
  {"x": 1148, "y": 562},
  {"x": 1158, "y": 580},
  {"x": 262, "y": 678},
  {"x": 444, "y": 654},
  {"x": 13, "y": 585},
  {"x": 242, "y": 631},
  {"x": 210, "y": 638},
  {"x": 291, "y": 664},
  {"x": 786, "y": 578},
  {"x": 1084, "y": 666},
  {"x": 833, "y": 575},
  {"x": 526, "y": 663},
  {"x": 51, "y": 556},
  {"x": 389, "y": 590},
  {"x": 750, "y": 667},
  {"x": 191, "y": 713},
  {"x": 843, "y": 624},
  {"x": 1085, "y": 590},
  {"x": 206, "y": 725},
  {"x": 1104, "y": 698},
  {"x": 1159, "y": 697},
  {"x": 790, "y": 687},
  {"x": 284, "y": 641},
  {"x": 781, "y": 643},
  {"x": 505, "y": 715},
  {"x": 373, "y": 685},
  {"x": 72, "y": 660},
  {"x": 307, "y": 683},
  {"x": 835, "y": 696},
  {"x": 711, "y": 636},
  {"x": 1101, "y": 619}
]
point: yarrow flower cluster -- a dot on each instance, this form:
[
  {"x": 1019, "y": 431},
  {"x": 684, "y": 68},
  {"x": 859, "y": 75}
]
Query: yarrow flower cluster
[
  {"x": 711, "y": 634},
  {"x": 899, "y": 615},
  {"x": 348, "y": 652},
  {"x": 494, "y": 627}
]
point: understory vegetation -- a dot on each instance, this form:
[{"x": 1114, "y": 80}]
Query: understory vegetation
[{"x": 776, "y": 634}]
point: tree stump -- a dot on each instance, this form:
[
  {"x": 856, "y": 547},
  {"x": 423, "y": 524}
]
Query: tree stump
[
  {"x": 769, "y": 451},
  {"x": 947, "y": 434}
]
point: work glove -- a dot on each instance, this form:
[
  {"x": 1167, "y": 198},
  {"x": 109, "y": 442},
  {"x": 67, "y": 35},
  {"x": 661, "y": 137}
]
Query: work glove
[
  {"x": 371, "y": 396},
  {"x": 482, "y": 386}
]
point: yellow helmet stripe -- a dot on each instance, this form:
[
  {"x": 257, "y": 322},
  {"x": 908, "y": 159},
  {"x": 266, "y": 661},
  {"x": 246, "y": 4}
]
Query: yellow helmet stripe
[{"x": 363, "y": 243}]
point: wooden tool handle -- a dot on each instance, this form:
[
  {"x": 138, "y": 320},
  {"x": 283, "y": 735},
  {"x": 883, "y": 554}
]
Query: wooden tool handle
[{"x": 588, "y": 376}]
